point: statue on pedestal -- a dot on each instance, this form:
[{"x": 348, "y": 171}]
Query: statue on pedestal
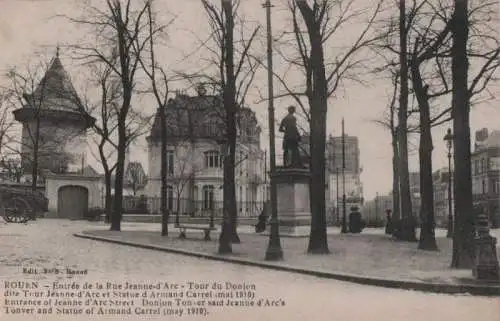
[{"x": 291, "y": 139}]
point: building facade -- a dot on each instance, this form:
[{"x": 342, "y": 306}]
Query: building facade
[
  {"x": 54, "y": 138},
  {"x": 375, "y": 210},
  {"x": 196, "y": 150},
  {"x": 352, "y": 174},
  {"x": 333, "y": 174},
  {"x": 485, "y": 163},
  {"x": 442, "y": 197}
]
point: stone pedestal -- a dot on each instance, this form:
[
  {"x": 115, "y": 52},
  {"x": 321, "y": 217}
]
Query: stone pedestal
[
  {"x": 294, "y": 214},
  {"x": 486, "y": 262}
]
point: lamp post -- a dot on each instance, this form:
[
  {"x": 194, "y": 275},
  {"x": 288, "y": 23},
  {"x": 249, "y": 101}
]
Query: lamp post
[
  {"x": 448, "y": 138},
  {"x": 344, "y": 219},
  {"x": 338, "y": 198},
  {"x": 274, "y": 251}
]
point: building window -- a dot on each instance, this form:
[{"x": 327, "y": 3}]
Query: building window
[
  {"x": 496, "y": 186},
  {"x": 476, "y": 166},
  {"x": 212, "y": 159},
  {"x": 241, "y": 163},
  {"x": 211, "y": 128},
  {"x": 483, "y": 186},
  {"x": 208, "y": 197},
  {"x": 170, "y": 161},
  {"x": 170, "y": 198},
  {"x": 484, "y": 165}
]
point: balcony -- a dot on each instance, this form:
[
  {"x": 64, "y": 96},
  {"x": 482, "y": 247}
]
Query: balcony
[{"x": 210, "y": 172}]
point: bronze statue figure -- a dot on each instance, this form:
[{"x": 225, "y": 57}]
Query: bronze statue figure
[{"x": 291, "y": 156}]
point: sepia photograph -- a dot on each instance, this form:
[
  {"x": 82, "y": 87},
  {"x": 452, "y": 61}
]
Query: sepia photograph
[{"x": 250, "y": 160}]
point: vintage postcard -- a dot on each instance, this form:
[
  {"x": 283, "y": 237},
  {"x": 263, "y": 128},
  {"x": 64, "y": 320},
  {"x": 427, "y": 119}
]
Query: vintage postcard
[{"x": 249, "y": 160}]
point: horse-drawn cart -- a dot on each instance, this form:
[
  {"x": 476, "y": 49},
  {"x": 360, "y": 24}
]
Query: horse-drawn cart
[{"x": 20, "y": 204}]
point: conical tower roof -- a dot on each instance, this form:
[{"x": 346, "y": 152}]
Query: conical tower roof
[{"x": 55, "y": 86}]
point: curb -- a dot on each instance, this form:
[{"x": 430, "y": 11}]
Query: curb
[{"x": 471, "y": 289}]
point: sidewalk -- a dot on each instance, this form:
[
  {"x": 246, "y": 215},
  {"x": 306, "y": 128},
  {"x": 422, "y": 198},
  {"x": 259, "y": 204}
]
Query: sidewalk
[{"x": 369, "y": 258}]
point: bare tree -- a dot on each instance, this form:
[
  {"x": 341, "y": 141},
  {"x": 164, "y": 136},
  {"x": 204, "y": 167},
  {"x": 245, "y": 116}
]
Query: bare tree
[
  {"x": 389, "y": 122},
  {"x": 160, "y": 90},
  {"x": 105, "y": 126},
  {"x": 406, "y": 224},
  {"x": 235, "y": 71},
  {"x": 121, "y": 29},
  {"x": 135, "y": 176},
  {"x": 6, "y": 119},
  {"x": 322, "y": 20},
  {"x": 427, "y": 35},
  {"x": 425, "y": 48}
]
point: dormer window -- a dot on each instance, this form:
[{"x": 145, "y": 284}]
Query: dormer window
[{"x": 212, "y": 159}]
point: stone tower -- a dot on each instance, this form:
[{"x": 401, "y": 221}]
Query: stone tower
[{"x": 53, "y": 124}]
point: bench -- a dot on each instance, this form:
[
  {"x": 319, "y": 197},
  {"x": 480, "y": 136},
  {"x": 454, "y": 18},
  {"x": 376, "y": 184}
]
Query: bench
[{"x": 184, "y": 227}]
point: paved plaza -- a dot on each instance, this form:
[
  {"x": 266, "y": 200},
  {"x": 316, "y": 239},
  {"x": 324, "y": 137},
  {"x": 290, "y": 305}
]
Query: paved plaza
[
  {"x": 369, "y": 254},
  {"x": 49, "y": 243}
]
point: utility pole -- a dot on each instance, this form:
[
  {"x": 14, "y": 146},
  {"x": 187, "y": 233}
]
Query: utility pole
[
  {"x": 344, "y": 218},
  {"x": 337, "y": 210},
  {"x": 274, "y": 251},
  {"x": 265, "y": 176}
]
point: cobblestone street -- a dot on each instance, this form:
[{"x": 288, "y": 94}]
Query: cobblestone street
[{"x": 49, "y": 244}]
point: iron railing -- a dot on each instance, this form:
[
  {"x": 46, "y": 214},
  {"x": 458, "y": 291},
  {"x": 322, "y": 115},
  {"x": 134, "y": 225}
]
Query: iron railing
[{"x": 188, "y": 207}]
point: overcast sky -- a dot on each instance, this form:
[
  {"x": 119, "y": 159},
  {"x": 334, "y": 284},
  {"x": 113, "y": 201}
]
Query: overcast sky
[{"x": 28, "y": 27}]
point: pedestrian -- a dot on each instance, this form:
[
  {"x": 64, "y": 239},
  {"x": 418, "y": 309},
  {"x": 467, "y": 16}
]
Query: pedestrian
[
  {"x": 388, "y": 223},
  {"x": 261, "y": 224}
]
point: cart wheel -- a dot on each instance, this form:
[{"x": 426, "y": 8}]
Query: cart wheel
[
  {"x": 16, "y": 210},
  {"x": 4, "y": 216}
]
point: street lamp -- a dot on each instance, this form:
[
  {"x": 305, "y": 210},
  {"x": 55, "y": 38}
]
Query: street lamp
[
  {"x": 448, "y": 138},
  {"x": 344, "y": 218},
  {"x": 274, "y": 251}
]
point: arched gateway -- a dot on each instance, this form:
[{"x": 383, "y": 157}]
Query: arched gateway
[{"x": 73, "y": 202}]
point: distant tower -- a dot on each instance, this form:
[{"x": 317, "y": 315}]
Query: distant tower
[{"x": 53, "y": 108}]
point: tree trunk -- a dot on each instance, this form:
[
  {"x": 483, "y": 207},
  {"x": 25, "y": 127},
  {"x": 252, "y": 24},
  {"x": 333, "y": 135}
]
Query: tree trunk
[
  {"x": 228, "y": 233},
  {"x": 36, "y": 147},
  {"x": 231, "y": 110},
  {"x": 107, "y": 202},
  {"x": 118, "y": 200},
  {"x": 406, "y": 226},
  {"x": 396, "y": 213},
  {"x": 396, "y": 201},
  {"x": 318, "y": 242},
  {"x": 233, "y": 204},
  {"x": 107, "y": 180},
  {"x": 163, "y": 172},
  {"x": 463, "y": 231},
  {"x": 427, "y": 234}
]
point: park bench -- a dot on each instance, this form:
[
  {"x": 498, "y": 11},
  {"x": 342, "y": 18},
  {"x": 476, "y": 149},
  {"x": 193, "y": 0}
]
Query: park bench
[{"x": 183, "y": 227}]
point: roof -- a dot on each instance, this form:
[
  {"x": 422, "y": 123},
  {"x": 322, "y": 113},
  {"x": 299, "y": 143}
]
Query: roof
[
  {"x": 56, "y": 88},
  {"x": 89, "y": 171},
  {"x": 200, "y": 116}
]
